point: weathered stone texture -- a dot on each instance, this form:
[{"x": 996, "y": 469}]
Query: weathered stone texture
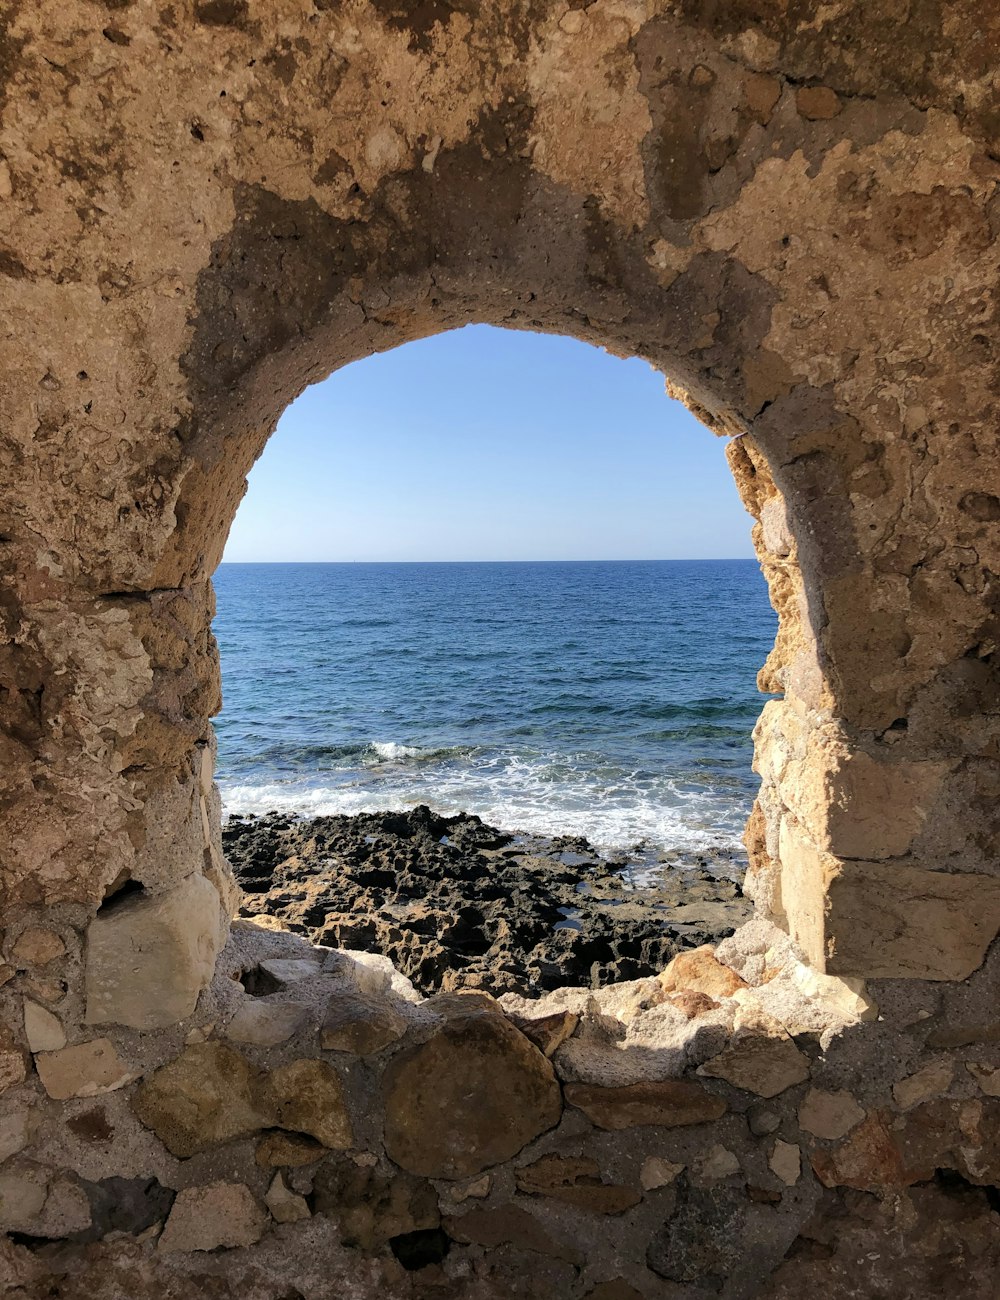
[{"x": 792, "y": 212}]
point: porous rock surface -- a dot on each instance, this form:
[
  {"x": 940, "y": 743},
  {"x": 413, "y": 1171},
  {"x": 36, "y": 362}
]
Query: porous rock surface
[
  {"x": 792, "y": 211},
  {"x": 455, "y": 903}
]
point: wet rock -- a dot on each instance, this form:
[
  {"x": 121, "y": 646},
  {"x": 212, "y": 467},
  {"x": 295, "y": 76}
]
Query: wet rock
[
  {"x": 671, "y": 1103},
  {"x": 456, "y": 903},
  {"x": 219, "y": 1215},
  {"x": 150, "y": 955},
  {"x": 83, "y": 1070},
  {"x": 471, "y": 1096}
]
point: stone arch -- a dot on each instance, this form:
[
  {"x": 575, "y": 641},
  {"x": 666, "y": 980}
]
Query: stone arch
[{"x": 210, "y": 208}]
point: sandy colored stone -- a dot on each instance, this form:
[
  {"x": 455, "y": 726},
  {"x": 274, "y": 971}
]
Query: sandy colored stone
[
  {"x": 37, "y": 946},
  {"x": 18, "y": 1122},
  {"x": 360, "y": 1025},
  {"x": 23, "y": 1193},
  {"x": 43, "y": 1030},
  {"x": 760, "y": 1058},
  {"x": 693, "y": 1004},
  {"x": 471, "y": 1096},
  {"x": 549, "y": 1032},
  {"x": 657, "y": 1172},
  {"x": 218, "y": 1215},
  {"x": 150, "y": 955},
  {"x": 210, "y": 1094},
  {"x": 285, "y": 1206},
  {"x": 671, "y": 1103},
  {"x": 718, "y": 1162},
  {"x": 307, "y": 1096},
  {"x": 83, "y": 1070},
  {"x": 817, "y": 102},
  {"x": 699, "y": 971},
  {"x": 288, "y": 1150},
  {"x": 986, "y": 1076},
  {"x": 934, "y": 1079},
  {"x": 829, "y": 1115},
  {"x": 785, "y": 1162},
  {"x": 265, "y": 1024}
]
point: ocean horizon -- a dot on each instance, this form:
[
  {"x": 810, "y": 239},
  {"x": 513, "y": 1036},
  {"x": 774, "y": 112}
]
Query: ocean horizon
[{"x": 612, "y": 699}]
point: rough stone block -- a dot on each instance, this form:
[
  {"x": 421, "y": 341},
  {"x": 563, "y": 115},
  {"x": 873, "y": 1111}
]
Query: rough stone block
[
  {"x": 83, "y": 1070},
  {"x": 207, "y": 1218},
  {"x": 149, "y": 956},
  {"x": 670, "y": 1104}
]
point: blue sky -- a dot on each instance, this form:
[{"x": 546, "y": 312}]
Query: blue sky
[{"x": 488, "y": 444}]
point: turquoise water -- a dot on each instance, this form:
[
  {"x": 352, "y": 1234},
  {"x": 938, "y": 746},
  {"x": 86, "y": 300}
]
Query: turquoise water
[{"x": 609, "y": 699}]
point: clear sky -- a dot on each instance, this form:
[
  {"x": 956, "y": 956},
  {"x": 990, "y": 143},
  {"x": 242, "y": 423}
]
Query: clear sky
[{"x": 489, "y": 444}]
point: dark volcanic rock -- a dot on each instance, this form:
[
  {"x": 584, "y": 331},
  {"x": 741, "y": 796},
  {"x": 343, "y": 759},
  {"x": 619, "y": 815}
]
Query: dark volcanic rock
[{"x": 459, "y": 904}]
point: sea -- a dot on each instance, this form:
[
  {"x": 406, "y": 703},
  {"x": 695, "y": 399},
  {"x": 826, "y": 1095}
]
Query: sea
[{"x": 612, "y": 700}]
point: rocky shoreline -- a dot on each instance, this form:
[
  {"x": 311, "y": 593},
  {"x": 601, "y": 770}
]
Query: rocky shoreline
[{"x": 455, "y": 903}]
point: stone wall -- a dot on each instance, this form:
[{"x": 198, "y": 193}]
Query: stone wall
[{"x": 792, "y": 212}]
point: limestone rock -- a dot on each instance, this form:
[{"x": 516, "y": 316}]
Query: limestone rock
[
  {"x": 548, "y": 1033},
  {"x": 658, "y": 1172},
  {"x": 36, "y": 946},
  {"x": 17, "y": 1127},
  {"x": 150, "y": 955},
  {"x": 760, "y": 1057},
  {"x": 829, "y": 1115},
  {"x": 266, "y": 1024},
  {"x": 576, "y": 1181},
  {"x": 471, "y": 1096},
  {"x": 717, "y": 1163},
  {"x": 42, "y": 1029},
  {"x": 931, "y": 1081},
  {"x": 360, "y": 1025},
  {"x": 220, "y": 1214},
  {"x": 670, "y": 1103},
  {"x": 83, "y": 1070},
  {"x": 23, "y": 1193},
  {"x": 699, "y": 971},
  {"x": 785, "y": 1162},
  {"x": 987, "y": 1077},
  {"x": 285, "y": 1206},
  {"x": 288, "y": 1151},
  {"x": 209, "y": 1094},
  {"x": 307, "y": 1096}
]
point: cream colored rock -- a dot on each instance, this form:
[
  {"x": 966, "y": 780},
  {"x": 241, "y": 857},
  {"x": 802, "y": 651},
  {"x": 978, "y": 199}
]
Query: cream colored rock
[
  {"x": 829, "y": 1115},
  {"x": 218, "y": 1215},
  {"x": 23, "y": 1193},
  {"x": 717, "y": 1163},
  {"x": 83, "y": 1070},
  {"x": 285, "y": 1206},
  {"x": 785, "y": 1162},
  {"x": 931, "y": 1081},
  {"x": 43, "y": 1030},
  {"x": 149, "y": 956},
  {"x": 986, "y": 1076},
  {"x": 37, "y": 946},
  {"x": 658, "y": 1172},
  {"x": 18, "y": 1122},
  {"x": 266, "y": 1024}
]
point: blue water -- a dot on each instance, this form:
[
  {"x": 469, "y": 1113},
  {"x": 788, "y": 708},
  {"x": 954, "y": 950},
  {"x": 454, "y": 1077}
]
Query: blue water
[{"x": 611, "y": 699}]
